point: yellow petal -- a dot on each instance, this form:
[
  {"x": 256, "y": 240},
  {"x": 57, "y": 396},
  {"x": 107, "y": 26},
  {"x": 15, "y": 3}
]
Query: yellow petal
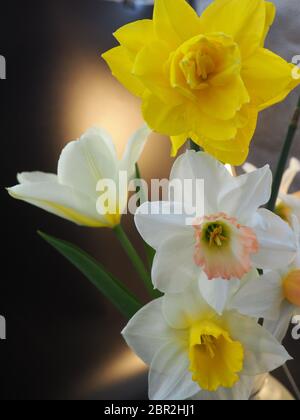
[
  {"x": 268, "y": 78},
  {"x": 151, "y": 66},
  {"x": 244, "y": 20},
  {"x": 120, "y": 64},
  {"x": 235, "y": 150},
  {"x": 224, "y": 101},
  {"x": 177, "y": 143},
  {"x": 175, "y": 21},
  {"x": 209, "y": 126},
  {"x": 163, "y": 118},
  {"x": 270, "y": 17},
  {"x": 135, "y": 35}
]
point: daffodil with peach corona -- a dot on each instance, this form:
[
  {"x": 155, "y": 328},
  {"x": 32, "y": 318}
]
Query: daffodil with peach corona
[{"x": 233, "y": 237}]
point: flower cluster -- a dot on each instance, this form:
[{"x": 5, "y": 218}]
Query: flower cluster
[{"x": 204, "y": 78}]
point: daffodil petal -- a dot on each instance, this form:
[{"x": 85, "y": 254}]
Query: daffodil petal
[
  {"x": 279, "y": 328},
  {"x": 241, "y": 391},
  {"x": 158, "y": 221},
  {"x": 182, "y": 309},
  {"x": 135, "y": 35},
  {"x": 164, "y": 118},
  {"x": 263, "y": 353},
  {"x": 148, "y": 331},
  {"x": 169, "y": 377},
  {"x": 267, "y": 77},
  {"x": 244, "y": 20},
  {"x": 277, "y": 241},
  {"x": 216, "y": 292},
  {"x": 259, "y": 296},
  {"x": 121, "y": 64},
  {"x": 170, "y": 277},
  {"x": 200, "y": 166},
  {"x": 247, "y": 193},
  {"x": 175, "y": 21}
]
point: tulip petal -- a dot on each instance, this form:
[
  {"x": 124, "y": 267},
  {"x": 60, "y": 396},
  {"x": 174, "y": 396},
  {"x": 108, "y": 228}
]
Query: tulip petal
[
  {"x": 159, "y": 221},
  {"x": 170, "y": 378},
  {"x": 268, "y": 78},
  {"x": 148, "y": 331},
  {"x": 84, "y": 162},
  {"x": 133, "y": 151},
  {"x": 263, "y": 353},
  {"x": 60, "y": 200},
  {"x": 173, "y": 266},
  {"x": 276, "y": 239},
  {"x": 30, "y": 177}
]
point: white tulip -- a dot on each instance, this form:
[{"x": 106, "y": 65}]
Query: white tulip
[{"x": 72, "y": 193}]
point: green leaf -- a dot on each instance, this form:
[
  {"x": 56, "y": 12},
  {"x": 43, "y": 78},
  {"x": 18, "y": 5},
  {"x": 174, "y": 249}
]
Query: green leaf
[{"x": 108, "y": 285}]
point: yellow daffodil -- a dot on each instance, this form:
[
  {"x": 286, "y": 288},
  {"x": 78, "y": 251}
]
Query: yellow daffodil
[{"x": 203, "y": 77}]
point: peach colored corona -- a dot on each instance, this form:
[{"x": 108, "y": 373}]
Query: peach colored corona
[{"x": 223, "y": 246}]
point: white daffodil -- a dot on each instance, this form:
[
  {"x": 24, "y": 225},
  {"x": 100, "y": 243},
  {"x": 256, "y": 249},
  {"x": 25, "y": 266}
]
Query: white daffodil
[
  {"x": 72, "y": 193},
  {"x": 194, "y": 353},
  {"x": 275, "y": 295},
  {"x": 232, "y": 237},
  {"x": 287, "y": 203}
]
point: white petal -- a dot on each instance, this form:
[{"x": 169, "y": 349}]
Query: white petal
[
  {"x": 289, "y": 175},
  {"x": 249, "y": 167},
  {"x": 148, "y": 331},
  {"x": 85, "y": 161},
  {"x": 182, "y": 309},
  {"x": 277, "y": 243},
  {"x": 217, "y": 292},
  {"x": 61, "y": 201},
  {"x": 291, "y": 201},
  {"x": 280, "y": 327},
  {"x": 241, "y": 391},
  {"x": 259, "y": 296},
  {"x": 263, "y": 353},
  {"x": 133, "y": 151},
  {"x": 197, "y": 166},
  {"x": 173, "y": 266},
  {"x": 169, "y": 377},
  {"x": 158, "y": 221},
  {"x": 30, "y": 177},
  {"x": 247, "y": 193}
]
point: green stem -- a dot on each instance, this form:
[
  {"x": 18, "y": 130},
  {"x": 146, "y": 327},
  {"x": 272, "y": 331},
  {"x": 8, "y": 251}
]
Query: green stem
[
  {"x": 284, "y": 157},
  {"x": 135, "y": 259},
  {"x": 150, "y": 252}
]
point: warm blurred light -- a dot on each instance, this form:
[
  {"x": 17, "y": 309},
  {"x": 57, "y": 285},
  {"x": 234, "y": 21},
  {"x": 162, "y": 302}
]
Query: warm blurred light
[
  {"x": 93, "y": 97},
  {"x": 122, "y": 366}
]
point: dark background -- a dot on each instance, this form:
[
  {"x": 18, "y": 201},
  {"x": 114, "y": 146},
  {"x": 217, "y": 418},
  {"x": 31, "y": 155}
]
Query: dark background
[{"x": 63, "y": 338}]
